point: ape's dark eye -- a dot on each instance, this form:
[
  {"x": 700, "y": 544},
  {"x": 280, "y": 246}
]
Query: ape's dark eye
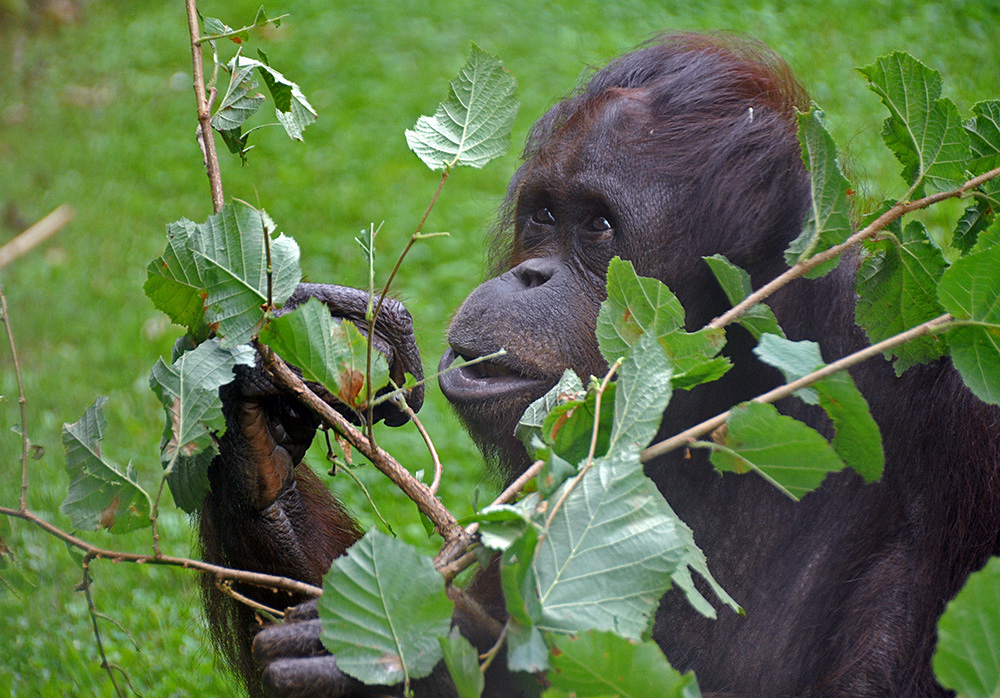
[
  {"x": 543, "y": 216},
  {"x": 600, "y": 224}
]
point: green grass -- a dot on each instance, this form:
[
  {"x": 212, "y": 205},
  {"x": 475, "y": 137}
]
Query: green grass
[{"x": 100, "y": 115}]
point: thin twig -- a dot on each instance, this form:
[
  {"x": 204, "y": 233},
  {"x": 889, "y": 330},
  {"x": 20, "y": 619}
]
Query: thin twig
[
  {"x": 518, "y": 484},
  {"x": 237, "y": 32},
  {"x": 385, "y": 397},
  {"x": 36, "y": 234},
  {"x": 385, "y": 290},
  {"x": 488, "y": 657},
  {"x": 85, "y": 588},
  {"x": 685, "y": 437},
  {"x": 264, "y": 581},
  {"x": 226, "y": 588},
  {"x": 868, "y": 231},
  {"x": 430, "y": 446},
  {"x": 155, "y": 516},
  {"x": 21, "y": 399},
  {"x": 332, "y": 458},
  {"x": 206, "y": 137}
]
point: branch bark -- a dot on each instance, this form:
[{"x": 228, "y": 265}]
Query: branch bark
[
  {"x": 205, "y": 137},
  {"x": 265, "y": 581}
]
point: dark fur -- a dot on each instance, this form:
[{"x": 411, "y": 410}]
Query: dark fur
[{"x": 842, "y": 591}]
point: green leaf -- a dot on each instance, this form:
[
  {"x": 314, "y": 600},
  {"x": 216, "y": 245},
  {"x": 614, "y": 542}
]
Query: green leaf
[
  {"x": 383, "y": 610},
  {"x": 984, "y": 136},
  {"x": 692, "y": 356},
  {"x": 857, "y": 441},
  {"x": 100, "y": 495},
  {"x": 290, "y": 106},
  {"x": 331, "y": 353},
  {"x": 790, "y": 455},
  {"x": 472, "y": 126},
  {"x": 238, "y": 104},
  {"x": 216, "y": 272},
  {"x": 923, "y": 131},
  {"x": 636, "y": 306},
  {"x": 829, "y": 220},
  {"x": 970, "y": 291},
  {"x": 735, "y": 282},
  {"x": 642, "y": 393},
  {"x": 605, "y": 665},
  {"x": 568, "y": 428},
  {"x": 462, "y": 660},
  {"x": 232, "y": 259},
  {"x": 214, "y": 26},
  {"x": 613, "y": 526},
  {"x": 557, "y": 470},
  {"x": 897, "y": 289},
  {"x": 501, "y": 525},
  {"x": 568, "y": 389},
  {"x": 174, "y": 282},
  {"x": 966, "y": 659},
  {"x": 977, "y": 218},
  {"x": 189, "y": 392}
]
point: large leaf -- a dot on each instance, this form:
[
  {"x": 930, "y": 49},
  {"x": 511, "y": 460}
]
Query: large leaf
[
  {"x": 970, "y": 291},
  {"x": 216, "y": 272},
  {"x": 897, "y": 290},
  {"x": 923, "y": 131},
  {"x": 641, "y": 395},
  {"x": 857, "y": 441},
  {"x": 758, "y": 319},
  {"x": 331, "y": 353},
  {"x": 966, "y": 659},
  {"x": 829, "y": 220},
  {"x": 606, "y": 665},
  {"x": 611, "y": 551},
  {"x": 100, "y": 495},
  {"x": 383, "y": 610},
  {"x": 174, "y": 282},
  {"x": 188, "y": 389},
  {"x": 472, "y": 126},
  {"x": 790, "y": 455},
  {"x": 231, "y": 256},
  {"x": 636, "y": 306}
]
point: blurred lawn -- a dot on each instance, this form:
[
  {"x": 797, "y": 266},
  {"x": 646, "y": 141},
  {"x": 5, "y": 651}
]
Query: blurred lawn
[{"x": 98, "y": 113}]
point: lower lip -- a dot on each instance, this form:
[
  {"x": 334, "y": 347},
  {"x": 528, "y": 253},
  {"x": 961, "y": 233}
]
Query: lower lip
[{"x": 460, "y": 385}]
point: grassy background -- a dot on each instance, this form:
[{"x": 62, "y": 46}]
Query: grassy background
[{"x": 96, "y": 111}]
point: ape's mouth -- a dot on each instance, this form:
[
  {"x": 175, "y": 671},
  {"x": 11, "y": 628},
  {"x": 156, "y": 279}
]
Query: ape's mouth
[{"x": 489, "y": 378}]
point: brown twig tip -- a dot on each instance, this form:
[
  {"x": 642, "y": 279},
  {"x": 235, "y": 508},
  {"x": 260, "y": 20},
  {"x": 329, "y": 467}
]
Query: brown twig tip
[{"x": 205, "y": 137}]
